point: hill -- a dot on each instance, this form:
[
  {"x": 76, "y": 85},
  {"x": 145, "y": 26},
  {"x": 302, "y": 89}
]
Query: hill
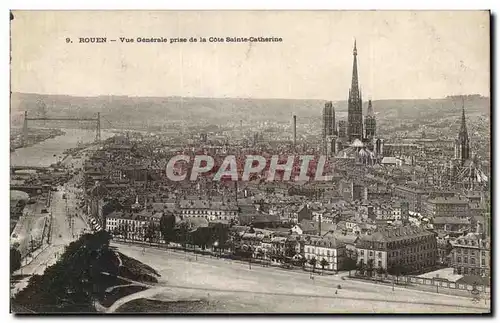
[{"x": 154, "y": 112}]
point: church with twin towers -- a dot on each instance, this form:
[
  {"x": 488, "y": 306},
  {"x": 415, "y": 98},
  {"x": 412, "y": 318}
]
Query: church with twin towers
[{"x": 355, "y": 139}]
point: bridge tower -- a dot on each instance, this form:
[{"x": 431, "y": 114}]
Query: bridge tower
[
  {"x": 98, "y": 130},
  {"x": 25, "y": 129}
]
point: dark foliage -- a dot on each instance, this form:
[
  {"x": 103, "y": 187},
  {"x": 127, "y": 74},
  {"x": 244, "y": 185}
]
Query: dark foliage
[
  {"x": 15, "y": 260},
  {"x": 167, "y": 226},
  {"x": 80, "y": 277}
]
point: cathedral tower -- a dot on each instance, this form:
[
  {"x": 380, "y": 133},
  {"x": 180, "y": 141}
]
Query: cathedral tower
[
  {"x": 462, "y": 145},
  {"x": 329, "y": 130},
  {"x": 370, "y": 122},
  {"x": 329, "y": 120},
  {"x": 354, "y": 104}
]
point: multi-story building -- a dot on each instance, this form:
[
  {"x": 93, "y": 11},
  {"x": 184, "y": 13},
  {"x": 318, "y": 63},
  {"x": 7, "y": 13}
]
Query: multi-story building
[
  {"x": 132, "y": 225},
  {"x": 327, "y": 248},
  {"x": 451, "y": 224},
  {"x": 446, "y": 207},
  {"x": 444, "y": 249},
  {"x": 406, "y": 248},
  {"x": 210, "y": 210},
  {"x": 413, "y": 195},
  {"x": 471, "y": 255}
]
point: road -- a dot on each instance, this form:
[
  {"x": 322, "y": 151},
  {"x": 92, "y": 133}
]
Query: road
[
  {"x": 67, "y": 224},
  {"x": 29, "y": 228},
  {"x": 234, "y": 287}
]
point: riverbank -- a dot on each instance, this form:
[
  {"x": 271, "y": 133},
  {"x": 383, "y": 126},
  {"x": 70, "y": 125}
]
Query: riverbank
[
  {"x": 53, "y": 150},
  {"x": 35, "y": 136}
]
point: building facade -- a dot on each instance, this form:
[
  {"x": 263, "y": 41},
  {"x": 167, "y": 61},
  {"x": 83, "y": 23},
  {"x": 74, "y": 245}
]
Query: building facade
[
  {"x": 446, "y": 207},
  {"x": 405, "y": 249},
  {"x": 329, "y": 249},
  {"x": 471, "y": 255}
]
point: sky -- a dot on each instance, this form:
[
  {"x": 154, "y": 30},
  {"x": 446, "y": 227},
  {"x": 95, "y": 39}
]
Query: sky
[{"x": 401, "y": 54}]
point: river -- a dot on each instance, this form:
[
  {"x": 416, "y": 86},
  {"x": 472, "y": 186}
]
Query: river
[{"x": 50, "y": 151}]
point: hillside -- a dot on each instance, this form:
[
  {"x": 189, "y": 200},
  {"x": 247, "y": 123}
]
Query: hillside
[{"x": 152, "y": 112}]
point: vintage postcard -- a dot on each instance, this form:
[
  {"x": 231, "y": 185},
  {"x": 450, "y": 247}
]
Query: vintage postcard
[{"x": 250, "y": 162}]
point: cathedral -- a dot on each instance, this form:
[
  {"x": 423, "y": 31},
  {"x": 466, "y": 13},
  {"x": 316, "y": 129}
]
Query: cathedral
[
  {"x": 355, "y": 140},
  {"x": 466, "y": 169}
]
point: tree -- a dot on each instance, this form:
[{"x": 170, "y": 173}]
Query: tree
[
  {"x": 220, "y": 233},
  {"x": 361, "y": 267},
  {"x": 167, "y": 226},
  {"x": 15, "y": 260},
  {"x": 323, "y": 263},
  {"x": 313, "y": 262},
  {"x": 260, "y": 254},
  {"x": 381, "y": 271},
  {"x": 181, "y": 234},
  {"x": 396, "y": 270},
  {"x": 369, "y": 267},
  {"x": 301, "y": 261},
  {"x": 350, "y": 261},
  {"x": 150, "y": 232},
  {"x": 202, "y": 237}
]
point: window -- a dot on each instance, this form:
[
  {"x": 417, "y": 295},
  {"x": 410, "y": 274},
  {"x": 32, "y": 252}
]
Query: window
[
  {"x": 466, "y": 260},
  {"x": 371, "y": 253},
  {"x": 328, "y": 252},
  {"x": 483, "y": 262},
  {"x": 380, "y": 255},
  {"x": 362, "y": 252},
  {"x": 466, "y": 251},
  {"x": 483, "y": 253},
  {"x": 459, "y": 259},
  {"x": 473, "y": 261},
  {"x": 379, "y": 264}
]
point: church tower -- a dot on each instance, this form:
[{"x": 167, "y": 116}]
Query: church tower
[
  {"x": 329, "y": 131},
  {"x": 354, "y": 104},
  {"x": 370, "y": 122},
  {"x": 462, "y": 145}
]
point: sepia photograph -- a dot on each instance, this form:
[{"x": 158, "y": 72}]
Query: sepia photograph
[{"x": 250, "y": 162}]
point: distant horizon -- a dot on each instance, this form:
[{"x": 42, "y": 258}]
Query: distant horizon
[
  {"x": 249, "y": 98},
  {"x": 405, "y": 55}
]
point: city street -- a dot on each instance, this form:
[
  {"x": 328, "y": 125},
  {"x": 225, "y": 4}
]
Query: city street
[
  {"x": 237, "y": 288},
  {"x": 67, "y": 225}
]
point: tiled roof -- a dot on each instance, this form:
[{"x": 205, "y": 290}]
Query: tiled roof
[
  {"x": 388, "y": 234},
  {"x": 450, "y": 220}
]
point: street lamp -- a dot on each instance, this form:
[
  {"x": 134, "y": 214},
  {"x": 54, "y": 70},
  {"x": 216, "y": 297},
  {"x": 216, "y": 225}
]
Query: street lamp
[{"x": 216, "y": 245}]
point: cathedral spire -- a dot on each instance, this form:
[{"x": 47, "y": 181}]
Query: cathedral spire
[
  {"x": 354, "y": 84},
  {"x": 463, "y": 145},
  {"x": 354, "y": 107},
  {"x": 463, "y": 126}
]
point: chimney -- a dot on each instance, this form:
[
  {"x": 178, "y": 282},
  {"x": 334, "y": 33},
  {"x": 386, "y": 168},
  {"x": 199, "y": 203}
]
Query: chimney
[
  {"x": 319, "y": 225},
  {"x": 294, "y": 131}
]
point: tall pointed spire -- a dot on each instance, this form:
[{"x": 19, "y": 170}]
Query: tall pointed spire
[
  {"x": 463, "y": 126},
  {"x": 463, "y": 145},
  {"x": 370, "y": 112},
  {"x": 354, "y": 84},
  {"x": 354, "y": 107}
]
